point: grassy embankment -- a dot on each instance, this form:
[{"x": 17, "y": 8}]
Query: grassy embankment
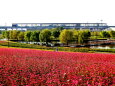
[{"x": 32, "y": 46}]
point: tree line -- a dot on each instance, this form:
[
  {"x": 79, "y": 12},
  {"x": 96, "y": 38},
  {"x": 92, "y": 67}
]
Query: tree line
[{"x": 65, "y": 36}]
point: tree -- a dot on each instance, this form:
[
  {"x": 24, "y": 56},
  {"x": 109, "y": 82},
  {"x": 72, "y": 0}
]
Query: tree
[
  {"x": 0, "y": 32},
  {"x": 5, "y": 34},
  {"x": 112, "y": 33},
  {"x": 11, "y": 34},
  {"x": 65, "y": 36},
  {"x": 45, "y": 36},
  {"x": 27, "y": 35},
  {"x": 60, "y": 28},
  {"x": 95, "y": 34},
  {"x": 75, "y": 34},
  {"x": 86, "y": 34},
  {"x": 104, "y": 34},
  {"x": 15, "y": 34},
  {"x": 83, "y": 36},
  {"x": 55, "y": 32},
  {"x": 21, "y": 36},
  {"x": 35, "y": 36}
]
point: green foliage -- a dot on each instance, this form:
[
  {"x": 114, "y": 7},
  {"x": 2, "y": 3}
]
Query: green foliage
[
  {"x": 6, "y": 34},
  {"x": 95, "y": 33},
  {"x": 15, "y": 34},
  {"x": 35, "y": 36},
  {"x": 112, "y": 33},
  {"x": 55, "y": 32},
  {"x": 65, "y": 36},
  {"x": 60, "y": 28},
  {"x": 0, "y": 32},
  {"x": 104, "y": 34},
  {"x": 21, "y": 36},
  {"x": 75, "y": 34},
  {"x": 45, "y": 35},
  {"x": 10, "y": 34},
  {"x": 87, "y": 34},
  {"x": 27, "y": 35},
  {"x": 3, "y": 34},
  {"x": 82, "y": 35}
]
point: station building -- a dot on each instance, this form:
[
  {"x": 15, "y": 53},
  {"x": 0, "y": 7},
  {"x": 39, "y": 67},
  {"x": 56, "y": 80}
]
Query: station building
[{"x": 37, "y": 26}]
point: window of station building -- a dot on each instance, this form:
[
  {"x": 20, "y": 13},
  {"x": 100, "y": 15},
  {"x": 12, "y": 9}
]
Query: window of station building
[
  {"x": 9, "y": 29},
  {"x": 83, "y": 24},
  {"x": 24, "y": 28},
  {"x": 18, "y": 28},
  {"x": 66, "y": 24},
  {"x": 94, "y": 24},
  {"x": 14, "y": 28},
  {"x": 78, "y": 24},
  {"x": 19, "y": 24},
  {"x": 34, "y": 25},
  {"x": 2, "y": 29},
  {"x": 86, "y": 24},
  {"x": 43, "y": 25},
  {"x": 29, "y": 25},
  {"x": 23, "y": 25},
  {"x": 14, "y": 25},
  {"x": 73, "y": 24},
  {"x": 54, "y": 24},
  {"x": 37, "y": 24},
  {"x": 59, "y": 25},
  {"x": 89, "y": 24},
  {"x": 46, "y": 24},
  {"x": 70, "y": 24},
  {"x": 102, "y": 25}
]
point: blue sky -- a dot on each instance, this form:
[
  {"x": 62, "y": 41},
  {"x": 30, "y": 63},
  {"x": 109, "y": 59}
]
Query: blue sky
[{"x": 56, "y": 11}]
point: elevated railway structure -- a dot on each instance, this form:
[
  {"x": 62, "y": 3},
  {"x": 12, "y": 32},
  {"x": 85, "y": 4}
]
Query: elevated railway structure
[{"x": 38, "y": 26}]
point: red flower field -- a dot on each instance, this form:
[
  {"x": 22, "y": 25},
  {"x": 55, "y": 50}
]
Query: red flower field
[{"x": 27, "y": 67}]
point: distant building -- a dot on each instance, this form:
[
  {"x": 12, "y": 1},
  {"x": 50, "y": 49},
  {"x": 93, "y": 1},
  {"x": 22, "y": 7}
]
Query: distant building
[{"x": 37, "y": 26}]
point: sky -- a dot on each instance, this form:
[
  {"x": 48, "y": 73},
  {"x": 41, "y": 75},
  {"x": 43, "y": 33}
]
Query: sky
[{"x": 57, "y": 11}]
